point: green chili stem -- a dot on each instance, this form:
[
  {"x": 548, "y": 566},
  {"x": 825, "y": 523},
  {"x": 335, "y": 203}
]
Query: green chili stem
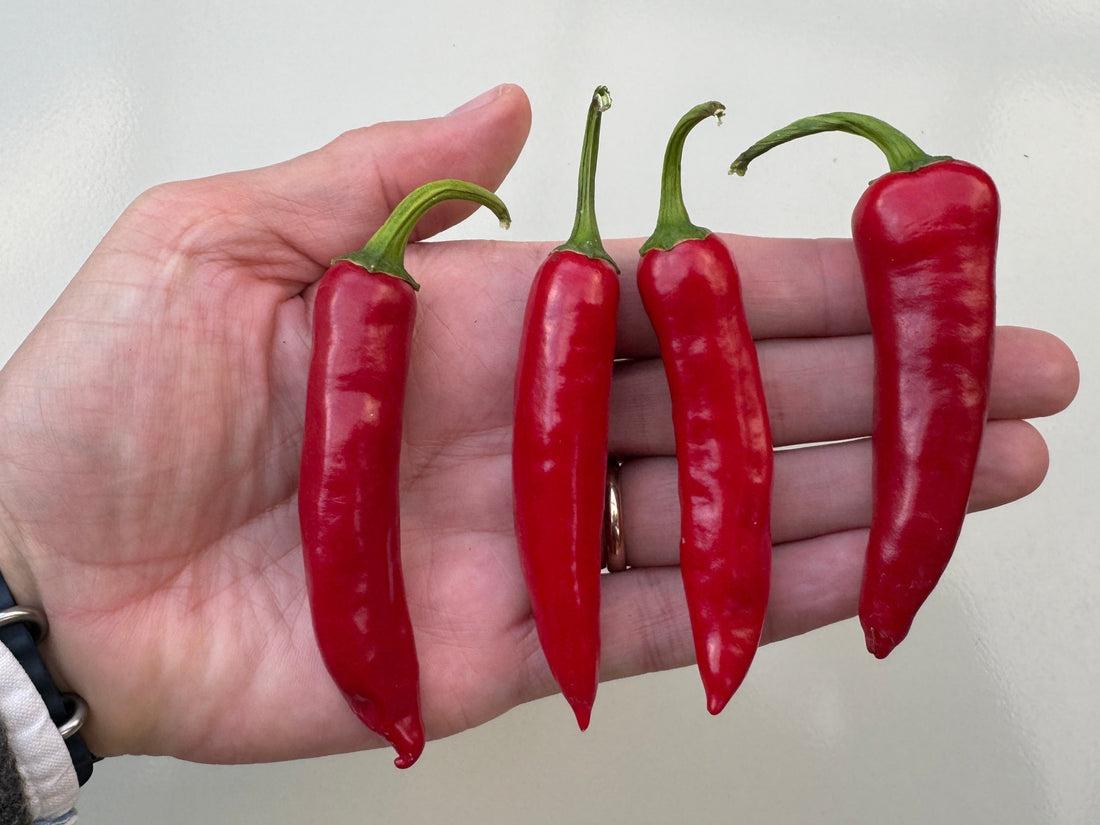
[
  {"x": 385, "y": 251},
  {"x": 902, "y": 154},
  {"x": 673, "y": 223},
  {"x": 585, "y": 237}
]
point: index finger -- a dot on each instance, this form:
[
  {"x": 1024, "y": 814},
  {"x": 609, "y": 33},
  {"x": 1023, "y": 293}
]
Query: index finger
[{"x": 792, "y": 288}]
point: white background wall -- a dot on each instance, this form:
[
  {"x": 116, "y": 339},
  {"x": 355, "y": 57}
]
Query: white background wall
[{"x": 989, "y": 714}]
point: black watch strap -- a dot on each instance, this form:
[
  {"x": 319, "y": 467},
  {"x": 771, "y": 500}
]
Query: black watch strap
[{"x": 22, "y": 643}]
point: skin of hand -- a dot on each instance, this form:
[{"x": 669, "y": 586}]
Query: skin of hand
[{"x": 150, "y": 430}]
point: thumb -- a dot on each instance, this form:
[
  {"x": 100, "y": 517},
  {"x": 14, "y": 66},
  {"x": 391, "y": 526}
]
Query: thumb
[{"x": 340, "y": 194}]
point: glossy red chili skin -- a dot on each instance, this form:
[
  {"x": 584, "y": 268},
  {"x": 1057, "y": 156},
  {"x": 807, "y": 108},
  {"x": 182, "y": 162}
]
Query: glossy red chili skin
[
  {"x": 927, "y": 244},
  {"x": 559, "y": 461},
  {"x": 348, "y": 499},
  {"x": 692, "y": 296}
]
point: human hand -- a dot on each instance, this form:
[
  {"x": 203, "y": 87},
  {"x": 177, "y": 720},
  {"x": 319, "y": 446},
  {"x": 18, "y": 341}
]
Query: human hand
[{"x": 150, "y": 430}]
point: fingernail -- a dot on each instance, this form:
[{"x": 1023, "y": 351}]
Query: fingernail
[{"x": 479, "y": 101}]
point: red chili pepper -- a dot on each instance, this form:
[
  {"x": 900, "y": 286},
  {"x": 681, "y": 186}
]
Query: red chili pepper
[
  {"x": 348, "y": 488},
  {"x": 559, "y": 453},
  {"x": 691, "y": 291},
  {"x": 926, "y": 236}
]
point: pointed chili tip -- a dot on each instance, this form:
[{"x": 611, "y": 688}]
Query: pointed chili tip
[
  {"x": 879, "y": 645},
  {"x": 405, "y": 760},
  {"x": 408, "y": 745},
  {"x": 716, "y": 703},
  {"x": 405, "y": 735},
  {"x": 583, "y": 711}
]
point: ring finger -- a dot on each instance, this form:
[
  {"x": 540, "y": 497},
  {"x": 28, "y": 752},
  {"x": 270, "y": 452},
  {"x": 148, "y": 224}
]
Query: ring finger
[{"x": 817, "y": 490}]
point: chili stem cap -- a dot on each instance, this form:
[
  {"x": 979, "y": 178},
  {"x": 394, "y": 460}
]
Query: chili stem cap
[
  {"x": 385, "y": 251},
  {"x": 673, "y": 223},
  {"x": 585, "y": 237},
  {"x": 902, "y": 154}
]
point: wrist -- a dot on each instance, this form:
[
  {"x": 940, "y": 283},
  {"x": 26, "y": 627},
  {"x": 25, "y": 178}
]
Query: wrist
[{"x": 23, "y": 626}]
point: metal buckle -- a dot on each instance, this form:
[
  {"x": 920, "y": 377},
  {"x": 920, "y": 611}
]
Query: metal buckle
[
  {"x": 31, "y": 616},
  {"x": 39, "y": 629}
]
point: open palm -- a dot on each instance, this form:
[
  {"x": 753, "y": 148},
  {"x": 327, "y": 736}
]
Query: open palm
[{"x": 151, "y": 430}]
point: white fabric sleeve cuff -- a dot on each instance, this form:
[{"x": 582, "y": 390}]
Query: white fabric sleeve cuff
[{"x": 41, "y": 756}]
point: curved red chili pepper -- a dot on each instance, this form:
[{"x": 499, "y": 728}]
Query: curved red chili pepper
[
  {"x": 348, "y": 486},
  {"x": 691, "y": 292},
  {"x": 926, "y": 237},
  {"x": 559, "y": 451}
]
